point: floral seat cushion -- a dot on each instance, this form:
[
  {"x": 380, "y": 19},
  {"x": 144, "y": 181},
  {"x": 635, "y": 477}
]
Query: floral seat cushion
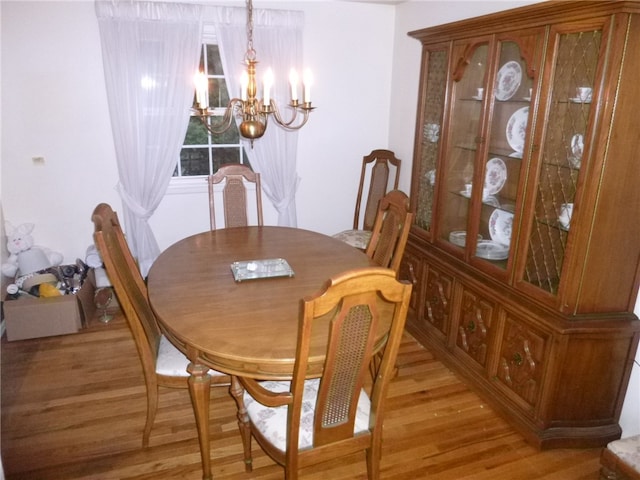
[
  {"x": 627, "y": 450},
  {"x": 172, "y": 362},
  {"x": 355, "y": 238},
  {"x": 272, "y": 421}
]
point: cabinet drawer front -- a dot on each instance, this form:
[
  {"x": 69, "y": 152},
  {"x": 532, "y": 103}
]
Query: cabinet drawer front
[
  {"x": 521, "y": 361},
  {"x": 437, "y": 303},
  {"x": 475, "y": 327},
  {"x": 411, "y": 270}
]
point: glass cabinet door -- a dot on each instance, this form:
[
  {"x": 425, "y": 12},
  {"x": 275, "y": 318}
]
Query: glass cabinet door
[
  {"x": 501, "y": 163},
  {"x": 462, "y": 142},
  {"x": 433, "y": 105},
  {"x": 564, "y": 150}
]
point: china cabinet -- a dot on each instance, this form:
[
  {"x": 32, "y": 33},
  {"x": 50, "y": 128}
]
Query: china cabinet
[{"x": 525, "y": 247}]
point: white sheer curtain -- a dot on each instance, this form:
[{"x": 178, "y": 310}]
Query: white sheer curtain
[
  {"x": 277, "y": 39},
  {"x": 147, "y": 50}
]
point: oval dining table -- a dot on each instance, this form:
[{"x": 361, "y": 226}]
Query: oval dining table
[{"x": 247, "y": 328}]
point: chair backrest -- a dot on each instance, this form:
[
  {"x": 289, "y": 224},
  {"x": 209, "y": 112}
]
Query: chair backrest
[
  {"x": 361, "y": 307},
  {"x": 391, "y": 230},
  {"x": 129, "y": 286},
  {"x": 376, "y": 167},
  {"x": 234, "y": 194}
]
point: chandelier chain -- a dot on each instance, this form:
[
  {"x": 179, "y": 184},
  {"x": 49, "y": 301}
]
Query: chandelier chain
[{"x": 251, "y": 53}]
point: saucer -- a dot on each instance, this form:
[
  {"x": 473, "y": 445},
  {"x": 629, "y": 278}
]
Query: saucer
[
  {"x": 579, "y": 100},
  {"x": 477, "y": 97}
]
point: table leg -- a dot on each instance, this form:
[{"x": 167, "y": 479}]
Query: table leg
[
  {"x": 200, "y": 390},
  {"x": 237, "y": 392}
]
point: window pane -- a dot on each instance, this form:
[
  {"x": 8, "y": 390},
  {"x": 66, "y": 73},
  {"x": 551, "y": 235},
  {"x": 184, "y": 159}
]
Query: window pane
[
  {"x": 218, "y": 95},
  {"x": 225, "y": 155},
  {"x": 213, "y": 61},
  {"x": 231, "y": 136},
  {"x": 194, "y": 161},
  {"x": 196, "y": 133}
]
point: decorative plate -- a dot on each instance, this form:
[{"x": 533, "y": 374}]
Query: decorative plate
[
  {"x": 491, "y": 200},
  {"x": 577, "y": 145},
  {"x": 494, "y": 177},
  {"x": 517, "y": 129},
  {"x": 500, "y": 226},
  {"x": 492, "y": 250},
  {"x": 459, "y": 237},
  {"x": 579, "y": 100},
  {"x": 508, "y": 81}
]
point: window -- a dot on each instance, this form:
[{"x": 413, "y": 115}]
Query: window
[{"x": 203, "y": 153}]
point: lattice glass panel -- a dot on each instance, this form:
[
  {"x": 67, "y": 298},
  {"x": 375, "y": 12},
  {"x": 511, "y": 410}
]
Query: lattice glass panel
[
  {"x": 564, "y": 146},
  {"x": 434, "y": 104},
  {"x": 463, "y": 137}
]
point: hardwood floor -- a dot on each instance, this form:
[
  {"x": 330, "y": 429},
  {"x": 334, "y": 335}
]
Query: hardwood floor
[{"x": 73, "y": 407}]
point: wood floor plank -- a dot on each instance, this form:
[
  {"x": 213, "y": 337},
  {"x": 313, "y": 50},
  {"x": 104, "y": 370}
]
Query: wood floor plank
[{"x": 73, "y": 408}]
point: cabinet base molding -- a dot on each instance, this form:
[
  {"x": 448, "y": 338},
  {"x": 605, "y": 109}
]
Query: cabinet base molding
[{"x": 559, "y": 433}]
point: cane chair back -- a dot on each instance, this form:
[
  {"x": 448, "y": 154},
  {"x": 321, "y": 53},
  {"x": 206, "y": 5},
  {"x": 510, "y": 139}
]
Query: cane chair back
[
  {"x": 391, "y": 230},
  {"x": 378, "y": 168},
  {"x": 308, "y": 421},
  {"x": 235, "y": 178},
  {"x": 380, "y": 163},
  {"x": 163, "y": 365}
]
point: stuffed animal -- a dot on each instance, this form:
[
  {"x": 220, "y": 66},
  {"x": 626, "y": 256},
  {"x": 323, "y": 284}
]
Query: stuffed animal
[{"x": 25, "y": 257}]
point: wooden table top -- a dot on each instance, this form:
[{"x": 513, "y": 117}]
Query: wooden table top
[{"x": 247, "y": 328}]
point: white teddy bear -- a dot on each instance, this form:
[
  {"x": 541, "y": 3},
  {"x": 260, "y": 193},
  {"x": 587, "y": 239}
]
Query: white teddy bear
[{"x": 24, "y": 257}]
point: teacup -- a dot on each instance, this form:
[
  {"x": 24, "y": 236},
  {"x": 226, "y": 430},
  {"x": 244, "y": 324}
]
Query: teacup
[
  {"x": 566, "y": 210},
  {"x": 583, "y": 94},
  {"x": 432, "y": 132},
  {"x": 431, "y": 177}
]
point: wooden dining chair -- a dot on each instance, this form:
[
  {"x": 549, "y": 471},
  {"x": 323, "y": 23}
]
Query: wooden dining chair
[
  {"x": 235, "y": 178},
  {"x": 391, "y": 230},
  {"x": 308, "y": 421},
  {"x": 377, "y": 168},
  {"x": 163, "y": 365}
]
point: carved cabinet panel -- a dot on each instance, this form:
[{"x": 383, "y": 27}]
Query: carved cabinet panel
[
  {"x": 474, "y": 332},
  {"x": 521, "y": 360},
  {"x": 437, "y": 302}
]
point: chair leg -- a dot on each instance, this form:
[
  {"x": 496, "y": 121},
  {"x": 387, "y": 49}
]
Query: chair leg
[
  {"x": 152, "y": 408},
  {"x": 290, "y": 472},
  {"x": 237, "y": 392},
  {"x": 373, "y": 460}
]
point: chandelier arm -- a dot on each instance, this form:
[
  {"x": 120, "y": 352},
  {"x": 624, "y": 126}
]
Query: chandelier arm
[
  {"x": 227, "y": 119},
  {"x": 288, "y": 125}
]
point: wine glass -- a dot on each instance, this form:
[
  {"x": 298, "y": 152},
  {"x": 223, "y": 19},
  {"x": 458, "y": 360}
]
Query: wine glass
[{"x": 102, "y": 298}]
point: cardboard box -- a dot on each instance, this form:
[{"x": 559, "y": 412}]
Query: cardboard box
[{"x": 30, "y": 317}]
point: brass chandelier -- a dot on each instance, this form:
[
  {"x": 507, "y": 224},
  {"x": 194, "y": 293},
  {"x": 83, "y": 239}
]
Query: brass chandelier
[{"x": 252, "y": 112}]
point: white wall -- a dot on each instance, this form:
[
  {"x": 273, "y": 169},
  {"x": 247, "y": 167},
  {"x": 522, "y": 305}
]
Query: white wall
[{"x": 53, "y": 104}]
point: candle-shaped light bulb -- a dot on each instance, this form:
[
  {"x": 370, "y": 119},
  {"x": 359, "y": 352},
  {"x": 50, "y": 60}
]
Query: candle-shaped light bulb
[
  {"x": 293, "y": 80},
  {"x": 244, "y": 85},
  {"x": 200, "y": 80},
  {"x": 268, "y": 82},
  {"x": 307, "y": 81}
]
